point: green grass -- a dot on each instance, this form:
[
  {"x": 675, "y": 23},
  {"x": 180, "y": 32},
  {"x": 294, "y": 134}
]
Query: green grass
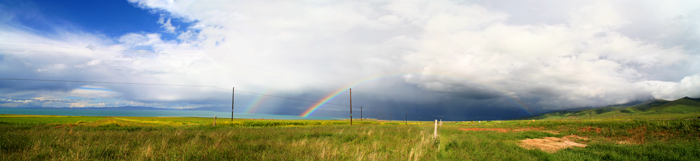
[
  {"x": 176, "y": 138},
  {"x": 644, "y": 140},
  {"x": 120, "y": 139},
  {"x": 40, "y": 119}
]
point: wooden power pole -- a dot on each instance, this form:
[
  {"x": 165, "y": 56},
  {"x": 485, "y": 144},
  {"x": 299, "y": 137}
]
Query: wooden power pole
[
  {"x": 233, "y": 90},
  {"x": 350, "y": 106}
]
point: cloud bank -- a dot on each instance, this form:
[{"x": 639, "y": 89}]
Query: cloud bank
[{"x": 433, "y": 56}]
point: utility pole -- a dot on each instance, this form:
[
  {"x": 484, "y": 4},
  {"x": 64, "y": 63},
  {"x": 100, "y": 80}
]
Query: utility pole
[
  {"x": 350, "y": 106},
  {"x": 406, "y": 119},
  {"x": 233, "y": 90}
]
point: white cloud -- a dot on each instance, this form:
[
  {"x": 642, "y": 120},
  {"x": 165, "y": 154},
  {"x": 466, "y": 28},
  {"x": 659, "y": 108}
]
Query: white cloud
[
  {"x": 90, "y": 63},
  {"x": 686, "y": 87},
  {"x": 584, "y": 62},
  {"x": 85, "y": 97},
  {"x": 567, "y": 55},
  {"x": 166, "y": 25},
  {"x": 134, "y": 40}
]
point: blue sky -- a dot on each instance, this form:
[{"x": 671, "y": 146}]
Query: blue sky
[
  {"x": 110, "y": 18},
  {"x": 458, "y": 60}
]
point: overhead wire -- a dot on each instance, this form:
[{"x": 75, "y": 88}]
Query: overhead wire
[
  {"x": 179, "y": 85},
  {"x": 239, "y": 64},
  {"x": 293, "y": 98},
  {"x": 142, "y": 52},
  {"x": 186, "y": 85},
  {"x": 75, "y": 81}
]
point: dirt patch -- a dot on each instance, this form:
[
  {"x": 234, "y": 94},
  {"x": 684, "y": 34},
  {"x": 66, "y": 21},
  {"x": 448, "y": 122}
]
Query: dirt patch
[
  {"x": 528, "y": 129},
  {"x": 551, "y": 132},
  {"x": 484, "y": 129},
  {"x": 664, "y": 135},
  {"x": 509, "y": 130},
  {"x": 624, "y": 142},
  {"x": 553, "y": 144},
  {"x": 639, "y": 136},
  {"x": 66, "y": 125},
  {"x": 590, "y": 129}
]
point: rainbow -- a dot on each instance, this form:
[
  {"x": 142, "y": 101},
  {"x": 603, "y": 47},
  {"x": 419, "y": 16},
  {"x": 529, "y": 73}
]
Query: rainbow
[
  {"x": 345, "y": 88},
  {"x": 255, "y": 104}
]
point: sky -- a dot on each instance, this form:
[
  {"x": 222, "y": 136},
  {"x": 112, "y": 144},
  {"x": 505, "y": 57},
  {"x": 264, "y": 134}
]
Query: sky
[{"x": 452, "y": 60}]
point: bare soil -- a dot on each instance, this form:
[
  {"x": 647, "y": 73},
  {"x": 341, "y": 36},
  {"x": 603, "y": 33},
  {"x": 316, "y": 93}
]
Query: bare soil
[
  {"x": 590, "y": 129},
  {"x": 508, "y": 130},
  {"x": 553, "y": 144},
  {"x": 639, "y": 136},
  {"x": 485, "y": 129}
]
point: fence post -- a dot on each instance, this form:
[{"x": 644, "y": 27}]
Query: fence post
[
  {"x": 214, "y": 120},
  {"x": 435, "y": 131}
]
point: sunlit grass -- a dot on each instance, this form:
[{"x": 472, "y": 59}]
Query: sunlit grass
[
  {"x": 45, "y": 119},
  {"x": 190, "y": 138}
]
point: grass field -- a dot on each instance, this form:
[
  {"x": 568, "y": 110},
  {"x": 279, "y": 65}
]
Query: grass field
[{"x": 24, "y": 137}]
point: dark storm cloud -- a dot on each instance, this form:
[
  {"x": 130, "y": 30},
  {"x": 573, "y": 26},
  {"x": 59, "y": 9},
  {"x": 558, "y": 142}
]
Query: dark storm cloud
[{"x": 481, "y": 59}]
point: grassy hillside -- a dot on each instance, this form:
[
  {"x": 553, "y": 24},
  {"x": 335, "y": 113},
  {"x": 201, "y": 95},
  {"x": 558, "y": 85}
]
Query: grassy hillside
[{"x": 657, "y": 109}]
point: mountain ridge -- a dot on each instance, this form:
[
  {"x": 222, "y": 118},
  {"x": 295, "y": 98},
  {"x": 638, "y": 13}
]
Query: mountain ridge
[{"x": 685, "y": 107}]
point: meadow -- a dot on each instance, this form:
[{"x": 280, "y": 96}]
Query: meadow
[{"x": 32, "y": 137}]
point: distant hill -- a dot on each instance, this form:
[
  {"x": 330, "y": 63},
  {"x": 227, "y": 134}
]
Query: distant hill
[{"x": 685, "y": 107}]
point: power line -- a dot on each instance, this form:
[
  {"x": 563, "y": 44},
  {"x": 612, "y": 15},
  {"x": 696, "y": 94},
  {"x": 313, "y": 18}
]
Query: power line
[
  {"x": 271, "y": 72},
  {"x": 292, "y": 98},
  {"x": 239, "y": 64},
  {"x": 141, "y": 52},
  {"x": 221, "y": 60},
  {"x": 157, "y": 84},
  {"x": 75, "y": 81}
]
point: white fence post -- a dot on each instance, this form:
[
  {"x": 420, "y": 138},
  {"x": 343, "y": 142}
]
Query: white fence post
[{"x": 435, "y": 133}]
